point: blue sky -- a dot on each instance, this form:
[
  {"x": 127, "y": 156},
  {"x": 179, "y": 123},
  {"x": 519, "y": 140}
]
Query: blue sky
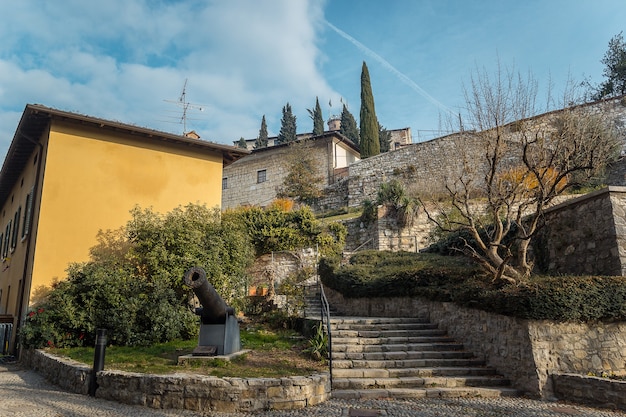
[{"x": 127, "y": 60}]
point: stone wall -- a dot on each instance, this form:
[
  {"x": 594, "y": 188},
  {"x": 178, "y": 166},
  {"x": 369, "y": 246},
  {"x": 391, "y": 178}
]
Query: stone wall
[
  {"x": 591, "y": 390},
  {"x": 586, "y": 235},
  {"x": 185, "y": 391},
  {"x": 70, "y": 375},
  {"x": 282, "y": 264},
  {"x": 386, "y": 233},
  {"x": 426, "y": 166},
  {"x": 527, "y": 352}
]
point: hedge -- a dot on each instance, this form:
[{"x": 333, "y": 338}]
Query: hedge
[{"x": 456, "y": 279}]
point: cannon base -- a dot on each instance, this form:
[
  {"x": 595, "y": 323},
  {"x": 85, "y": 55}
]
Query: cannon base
[{"x": 224, "y": 337}]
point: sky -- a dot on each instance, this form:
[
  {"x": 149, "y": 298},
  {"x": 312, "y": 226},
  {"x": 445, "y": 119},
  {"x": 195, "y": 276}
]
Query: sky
[{"x": 130, "y": 61}]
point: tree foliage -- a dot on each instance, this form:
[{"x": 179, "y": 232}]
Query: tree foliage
[
  {"x": 384, "y": 138},
  {"x": 348, "y": 126},
  {"x": 369, "y": 144},
  {"x": 521, "y": 167},
  {"x": 276, "y": 228},
  {"x": 133, "y": 283},
  {"x": 318, "y": 119},
  {"x": 287, "y": 126},
  {"x": 615, "y": 69},
  {"x": 261, "y": 140},
  {"x": 242, "y": 143},
  {"x": 303, "y": 182}
]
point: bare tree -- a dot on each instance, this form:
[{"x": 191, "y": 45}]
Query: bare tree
[{"x": 513, "y": 165}]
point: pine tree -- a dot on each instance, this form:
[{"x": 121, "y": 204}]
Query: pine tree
[
  {"x": 287, "y": 126},
  {"x": 242, "y": 143},
  {"x": 261, "y": 140},
  {"x": 615, "y": 68},
  {"x": 318, "y": 119},
  {"x": 384, "y": 138},
  {"x": 370, "y": 144},
  {"x": 348, "y": 126}
]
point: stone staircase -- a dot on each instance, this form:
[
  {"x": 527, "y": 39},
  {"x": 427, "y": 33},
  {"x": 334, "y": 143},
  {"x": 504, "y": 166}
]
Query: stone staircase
[
  {"x": 312, "y": 302},
  {"x": 406, "y": 358}
]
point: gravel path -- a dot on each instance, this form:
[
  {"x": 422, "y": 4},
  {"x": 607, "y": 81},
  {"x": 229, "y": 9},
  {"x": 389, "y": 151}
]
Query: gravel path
[{"x": 25, "y": 393}]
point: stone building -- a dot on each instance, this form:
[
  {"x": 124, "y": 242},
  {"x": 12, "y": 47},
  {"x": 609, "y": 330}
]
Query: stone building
[{"x": 257, "y": 178}]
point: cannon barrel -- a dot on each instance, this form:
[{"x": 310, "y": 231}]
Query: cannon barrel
[{"x": 214, "y": 309}]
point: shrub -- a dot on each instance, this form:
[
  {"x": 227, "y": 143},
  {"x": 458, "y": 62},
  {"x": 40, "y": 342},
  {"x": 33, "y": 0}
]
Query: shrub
[
  {"x": 133, "y": 283},
  {"x": 274, "y": 229}
]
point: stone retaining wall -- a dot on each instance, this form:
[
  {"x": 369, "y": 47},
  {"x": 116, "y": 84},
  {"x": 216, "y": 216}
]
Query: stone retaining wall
[
  {"x": 525, "y": 351},
  {"x": 591, "y": 390},
  {"x": 586, "y": 235},
  {"x": 184, "y": 391}
]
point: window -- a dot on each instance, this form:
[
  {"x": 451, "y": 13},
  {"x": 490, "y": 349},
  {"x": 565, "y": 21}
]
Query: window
[
  {"x": 16, "y": 227},
  {"x": 26, "y": 221},
  {"x": 261, "y": 176},
  {"x": 224, "y": 183},
  {"x": 7, "y": 239}
]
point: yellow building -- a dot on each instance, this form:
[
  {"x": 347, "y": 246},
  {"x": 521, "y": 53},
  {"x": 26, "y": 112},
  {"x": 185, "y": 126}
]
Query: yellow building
[{"x": 66, "y": 176}]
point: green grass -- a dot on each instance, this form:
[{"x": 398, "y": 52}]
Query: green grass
[{"x": 274, "y": 353}]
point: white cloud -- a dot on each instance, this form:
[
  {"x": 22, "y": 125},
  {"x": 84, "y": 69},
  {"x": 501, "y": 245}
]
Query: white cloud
[{"x": 121, "y": 59}]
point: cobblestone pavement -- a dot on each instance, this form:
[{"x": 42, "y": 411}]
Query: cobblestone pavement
[{"x": 25, "y": 393}]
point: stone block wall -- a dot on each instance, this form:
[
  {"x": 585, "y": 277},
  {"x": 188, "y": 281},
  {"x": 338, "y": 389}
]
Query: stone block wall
[
  {"x": 586, "y": 235},
  {"x": 425, "y": 167},
  {"x": 592, "y": 390},
  {"x": 525, "y": 351},
  {"x": 70, "y": 375},
  {"x": 184, "y": 391}
]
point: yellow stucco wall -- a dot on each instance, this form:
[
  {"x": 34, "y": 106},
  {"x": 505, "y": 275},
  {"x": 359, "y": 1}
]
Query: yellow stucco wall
[{"x": 92, "y": 180}]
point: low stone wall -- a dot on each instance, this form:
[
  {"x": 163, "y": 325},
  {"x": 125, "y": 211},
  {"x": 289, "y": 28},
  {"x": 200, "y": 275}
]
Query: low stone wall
[
  {"x": 591, "y": 390},
  {"x": 184, "y": 391},
  {"x": 525, "y": 351},
  {"x": 70, "y": 375}
]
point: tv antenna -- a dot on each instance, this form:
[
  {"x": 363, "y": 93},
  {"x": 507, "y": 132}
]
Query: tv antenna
[{"x": 186, "y": 106}]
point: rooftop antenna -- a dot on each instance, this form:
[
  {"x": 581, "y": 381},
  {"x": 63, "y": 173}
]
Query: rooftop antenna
[{"x": 185, "y": 105}]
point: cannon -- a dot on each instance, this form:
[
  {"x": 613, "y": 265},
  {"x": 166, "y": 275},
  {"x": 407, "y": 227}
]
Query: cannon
[{"x": 219, "y": 329}]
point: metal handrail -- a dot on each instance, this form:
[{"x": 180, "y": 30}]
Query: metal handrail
[
  {"x": 360, "y": 246},
  {"x": 325, "y": 314}
]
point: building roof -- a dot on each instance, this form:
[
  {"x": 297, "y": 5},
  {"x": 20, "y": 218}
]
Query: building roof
[
  {"x": 36, "y": 119},
  {"x": 308, "y": 136}
]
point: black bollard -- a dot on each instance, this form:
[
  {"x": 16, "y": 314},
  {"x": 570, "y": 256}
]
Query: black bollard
[{"x": 98, "y": 359}]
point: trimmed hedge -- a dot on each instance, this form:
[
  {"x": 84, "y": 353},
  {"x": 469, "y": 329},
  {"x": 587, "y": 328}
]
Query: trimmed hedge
[{"x": 456, "y": 279}]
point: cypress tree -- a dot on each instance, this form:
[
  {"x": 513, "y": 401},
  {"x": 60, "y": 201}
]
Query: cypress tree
[
  {"x": 348, "y": 126},
  {"x": 287, "y": 126},
  {"x": 261, "y": 140},
  {"x": 242, "y": 143},
  {"x": 370, "y": 144},
  {"x": 318, "y": 120}
]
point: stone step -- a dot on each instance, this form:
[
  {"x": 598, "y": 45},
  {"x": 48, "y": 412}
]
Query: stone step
[
  {"x": 387, "y": 333},
  {"x": 397, "y": 340},
  {"x": 402, "y": 355},
  {"x": 406, "y": 393},
  {"x": 382, "y": 326},
  {"x": 415, "y": 347},
  {"x": 377, "y": 320},
  {"x": 409, "y": 363},
  {"x": 340, "y": 383},
  {"x": 412, "y": 373}
]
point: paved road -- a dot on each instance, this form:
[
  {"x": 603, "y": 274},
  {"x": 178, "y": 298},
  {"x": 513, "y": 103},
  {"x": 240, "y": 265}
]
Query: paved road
[{"x": 25, "y": 393}]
